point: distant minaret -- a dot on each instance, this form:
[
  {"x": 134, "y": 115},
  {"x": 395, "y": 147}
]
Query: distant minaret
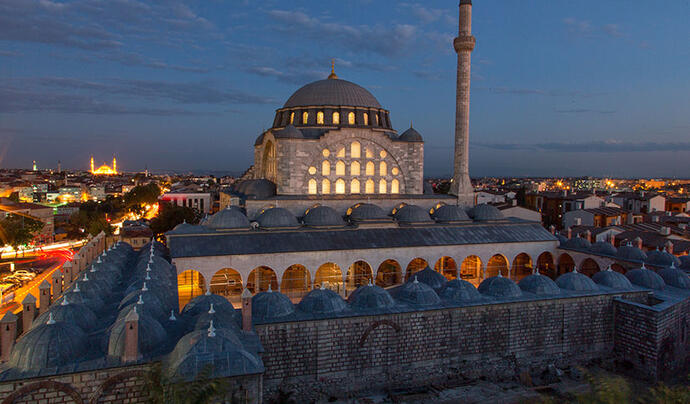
[
  {"x": 34, "y": 167},
  {"x": 114, "y": 165},
  {"x": 92, "y": 167},
  {"x": 463, "y": 44},
  {"x": 59, "y": 166}
]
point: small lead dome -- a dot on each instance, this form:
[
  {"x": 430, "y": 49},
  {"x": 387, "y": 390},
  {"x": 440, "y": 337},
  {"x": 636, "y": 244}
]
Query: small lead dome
[
  {"x": 276, "y": 218},
  {"x": 576, "y": 281},
  {"x": 675, "y": 277},
  {"x": 150, "y": 335},
  {"x": 602, "y": 247},
  {"x": 271, "y": 305},
  {"x": 431, "y": 278},
  {"x": 202, "y": 304},
  {"x": 370, "y": 297},
  {"x": 416, "y": 293},
  {"x": 539, "y": 285},
  {"x": 322, "y": 216},
  {"x": 231, "y": 217},
  {"x": 612, "y": 279},
  {"x": 411, "y": 214},
  {"x": 49, "y": 345},
  {"x": 485, "y": 213},
  {"x": 629, "y": 253},
  {"x": 498, "y": 286},
  {"x": 365, "y": 212},
  {"x": 322, "y": 301},
  {"x": 646, "y": 278},
  {"x": 70, "y": 313},
  {"x": 450, "y": 214},
  {"x": 578, "y": 243},
  {"x": 662, "y": 259},
  {"x": 411, "y": 135},
  {"x": 460, "y": 291}
]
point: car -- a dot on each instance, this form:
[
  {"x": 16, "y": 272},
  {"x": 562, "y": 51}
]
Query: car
[{"x": 23, "y": 273}]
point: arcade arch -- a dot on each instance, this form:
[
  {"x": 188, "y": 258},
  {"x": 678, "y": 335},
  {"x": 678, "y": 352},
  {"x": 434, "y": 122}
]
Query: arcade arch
[
  {"x": 260, "y": 278},
  {"x": 296, "y": 282},
  {"x": 416, "y": 265},
  {"x": 190, "y": 284},
  {"x": 227, "y": 283},
  {"x": 389, "y": 274},
  {"x": 522, "y": 266},
  {"x": 329, "y": 276},
  {"x": 447, "y": 267},
  {"x": 497, "y": 264},
  {"x": 358, "y": 274}
]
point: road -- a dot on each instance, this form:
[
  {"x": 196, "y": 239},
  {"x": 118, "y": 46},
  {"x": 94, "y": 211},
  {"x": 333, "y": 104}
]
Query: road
[{"x": 32, "y": 287}]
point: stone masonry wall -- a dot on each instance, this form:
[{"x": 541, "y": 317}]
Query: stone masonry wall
[{"x": 403, "y": 349}]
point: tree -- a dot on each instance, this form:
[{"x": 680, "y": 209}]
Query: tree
[
  {"x": 17, "y": 230},
  {"x": 142, "y": 195},
  {"x": 92, "y": 221},
  {"x": 163, "y": 389},
  {"x": 170, "y": 215}
]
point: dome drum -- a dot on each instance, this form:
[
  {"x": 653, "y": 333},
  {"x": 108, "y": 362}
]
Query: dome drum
[{"x": 375, "y": 117}]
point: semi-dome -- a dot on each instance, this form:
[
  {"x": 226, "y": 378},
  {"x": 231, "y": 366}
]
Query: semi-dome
[
  {"x": 275, "y": 218},
  {"x": 411, "y": 135},
  {"x": 602, "y": 247},
  {"x": 460, "y": 291},
  {"x": 629, "y": 253},
  {"x": 150, "y": 335},
  {"x": 577, "y": 243},
  {"x": 416, "y": 293},
  {"x": 231, "y": 217},
  {"x": 332, "y": 92},
  {"x": 271, "y": 305},
  {"x": 485, "y": 213},
  {"x": 289, "y": 132},
  {"x": 646, "y": 278},
  {"x": 576, "y": 282},
  {"x": 366, "y": 211},
  {"x": 539, "y": 285},
  {"x": 71, "y": 313},
  {"x": 202, "y": 304},
  {"x": 322, "y": 216},
  {"x": 49, "y": 345},
  {"x": 662, "y": 259},
  {"x": 256, "y": 188},
  {"x": 675, "y": 277},
  {"x": 322, "y": 301},
  {"x": 499, "y": 286},
  {"x": 431, "y": 278},
  {"x": 612, "y": 279},
  {"x": 370, "y": 297},
  {"x": 411, "y": 214},
  {"x": 449, "y": 214}
]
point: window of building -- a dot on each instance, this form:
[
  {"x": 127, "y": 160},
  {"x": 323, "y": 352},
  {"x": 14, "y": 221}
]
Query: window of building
[
  {"x": 336, "y": 118},
  {"x": 339, "y": 186},
  {"x": 325, "y": 186},
  {"x": 395, "y": 187},
  {"x": 383, "y": 169},
  {"x": 369, "y": 170},
  {"x": 366, "y": 119},
  {"x": 312, "y": 186},
  {"x": 354, "y": 186},
  {"x": 312, "y": 170},
  {"x": 355, "y": 150},
  {"x": 383, "y": 154},
  {"x": 325, "y": 168},
  {"x": 339, "y": 168},
  {"x": 354, "y": 168},
  {"x": 369, "y": 186},
  {"x": 377, "y": 119},
  {"x": 292, "y": 118},
  {"x": 368, "y": 153},
  {"x": 341, "y": 153},
  {"x": 326, "y": 152},
  {"x": 351, "y": 118},
  {"x": 319, "y": 117},
  {"x": 305, "y": 117},
  {"x": 382, "y": 186},
  {"x": 395, "y": 171}
]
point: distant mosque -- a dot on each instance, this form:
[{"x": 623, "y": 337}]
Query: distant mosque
[{"x": 104, "y": 169}]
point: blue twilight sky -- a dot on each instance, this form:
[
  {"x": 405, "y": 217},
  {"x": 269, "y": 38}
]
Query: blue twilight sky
[{"x": 559, "y": 87}]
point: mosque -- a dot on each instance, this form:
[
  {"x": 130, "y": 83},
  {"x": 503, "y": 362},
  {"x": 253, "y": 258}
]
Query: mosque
[
  {"x": 103, "y": 169},
  {"x": 337, "y": 274}
]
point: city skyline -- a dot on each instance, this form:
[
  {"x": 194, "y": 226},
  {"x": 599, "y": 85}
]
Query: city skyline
[{"x": 586, "y": 90}]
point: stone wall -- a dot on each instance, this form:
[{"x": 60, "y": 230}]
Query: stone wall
[{"x": 403, "y": 349}]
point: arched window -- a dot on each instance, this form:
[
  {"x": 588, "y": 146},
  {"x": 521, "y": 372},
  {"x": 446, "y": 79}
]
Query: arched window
[
  {"x": 319, "y": 117},
  {"x": 292, "y": 118},
  {"x": 326, "y": 152},
  {"x": 269, "y": 161},
  {"x": 383, "y": 154},
  {"x": 312, "y": 170},
  {"x": 336, "y": 118},
  {"x": 382, "y": 186},
  {"x": 325, "y": 168},
  {"x": 395, "y": 187},
  {"x": 351, "y": 118},
  {"x": 340, "y": 186},
  {"x": 383, "y": 169},
  {"x": 369, "y": 168},
  {"x": 354, "y": 168},
  {"x": 395, "y": 171},
  {"x": 377, "y": 119},
  {"x": 355, "y": 150},
  {"x": 369, "y": 186},
  {"x": 368, "y": 153},
  {"x": 366, "y": 119},
  {"x": 325, "y": 186},
  {"x": 339, "y": 168},
  {"x": 354, "y": 186},
  {"x": 305, "y": 117},
  {"x": 341, "y": 153},
  {"x": 312, "y": 186}
]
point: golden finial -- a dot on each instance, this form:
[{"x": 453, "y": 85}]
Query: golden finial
[
  {"x": 410, "y": 124},
  {"x": 332, "y": 75}
]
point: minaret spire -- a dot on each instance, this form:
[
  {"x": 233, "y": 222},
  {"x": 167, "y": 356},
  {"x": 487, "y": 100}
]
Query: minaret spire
[{"x": 463, "y": 44}]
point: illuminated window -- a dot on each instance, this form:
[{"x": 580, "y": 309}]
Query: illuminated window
[
  {"x": 395, "y": 171},
  {"x": 351, "y": 118},
  {"x": 354, "y": 186},
  {"x": 383, "y": 169},
  {"x": 319, "y": 118},
  {"x": 355, "y": 150},
  {"x": 369, "y": 186},
  {"x": 312, "y": 186},
  {"x": 341, "y": 153},
  {"x": 340, "y": 186},
  {"x": 325, "y": 186},
  {"x": 383, "y": 154},
  {"x": 366, "y": 119},
  {"x": 336, "y": 118},
  {"x": 395, "y": 187},
  {"x": 312, "y": 170},
  {"x": 292, "y": 118},
  {"x": 339, "y": 168},
  {"x": 382, "y": 187},
  {"x": 377, "y": 119},
  {"x": 369, "y": 170},
  {"x": 305, "y": 117},
  {"x": 325, "y": 168},
  {"x": 326, "y": 152},
  {"x": 369, "y": 154},
  {"x": 354, "y": 168}
]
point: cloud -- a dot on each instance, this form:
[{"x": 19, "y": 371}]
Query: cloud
[
  {"x": 585, "y": 111},
  {"x": 133, "y": 59},
  {"x": 585, "y": 28},
  {"x": 590, "y": 147},
  {"x": 291, "y": 76},
  {"x": 578, "y": 27},
  {"x": 612, "y": 30},
  {"x": 535, "y": 91},
  {"x": 386, "y": 40}
]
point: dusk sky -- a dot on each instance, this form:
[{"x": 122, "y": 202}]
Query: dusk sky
[{"x": 559, "y": 87}]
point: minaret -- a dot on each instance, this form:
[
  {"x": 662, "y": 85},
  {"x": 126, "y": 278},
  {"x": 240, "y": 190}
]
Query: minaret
[
  {"x": 92, "y": 170},
  {"x": 114, "y": 165},
  {"x": 463, "y": 44}
]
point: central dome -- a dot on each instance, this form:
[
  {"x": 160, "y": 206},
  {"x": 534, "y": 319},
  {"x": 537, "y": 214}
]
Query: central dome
[{"x": 332, "y": 92}]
